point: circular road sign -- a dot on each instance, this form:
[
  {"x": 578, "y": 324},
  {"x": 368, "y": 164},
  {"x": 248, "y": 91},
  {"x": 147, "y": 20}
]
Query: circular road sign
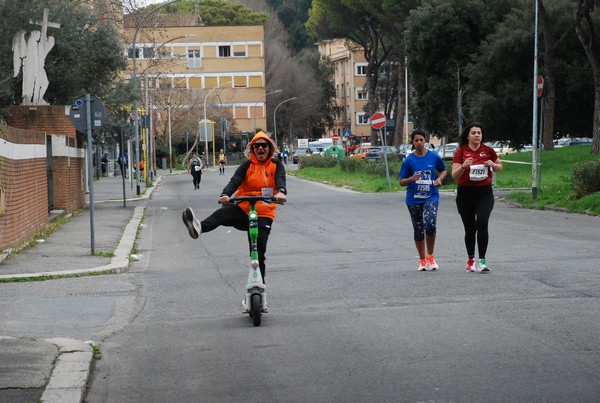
[
  {"x": 378, "y": 120},
  {"x": 540, "y": 86},
  {"x": 335, "y": 137}
]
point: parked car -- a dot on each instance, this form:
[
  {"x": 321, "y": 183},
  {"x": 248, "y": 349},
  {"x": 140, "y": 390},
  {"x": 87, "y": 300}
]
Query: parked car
[
  {"x": 447, "y": 151},
  {"x": 410, "y": 150},
  {"x": 359, "y": 153},
  {"x": 580, "y": 140},
  {"x": 501, "y": 147},
  {"x": 402, "y": 150},
  {"x": 376, "y": 153},
  {"x": 300, "y": 152}
]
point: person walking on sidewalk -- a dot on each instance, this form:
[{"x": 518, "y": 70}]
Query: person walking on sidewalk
[
  {"x": 260, "y": 174},
  {"x": 419, "y": 174},
  {"x": 195, "y": 168},
  {"x": 473, "y": 165},
  {"x": 222, "y": 162}
]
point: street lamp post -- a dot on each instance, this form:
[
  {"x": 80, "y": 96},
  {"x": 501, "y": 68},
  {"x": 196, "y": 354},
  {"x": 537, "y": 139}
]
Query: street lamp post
[
  {"x": 275, "y": 118},
  {"x": 136, "y": 89},
  {"x": 205, "y": 119},
  {"x": 256, "y": 103}
]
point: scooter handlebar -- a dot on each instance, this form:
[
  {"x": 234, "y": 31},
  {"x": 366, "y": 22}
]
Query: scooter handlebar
[{"x": 253, "y": 199}]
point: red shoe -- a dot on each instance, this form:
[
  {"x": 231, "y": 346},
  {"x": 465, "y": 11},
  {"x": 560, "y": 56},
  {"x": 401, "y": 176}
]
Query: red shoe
[{"x": 471, "y": 265}]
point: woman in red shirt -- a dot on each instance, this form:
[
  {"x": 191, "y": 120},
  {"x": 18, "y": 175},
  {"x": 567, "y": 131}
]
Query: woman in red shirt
[{"x": 472, "y": 168}]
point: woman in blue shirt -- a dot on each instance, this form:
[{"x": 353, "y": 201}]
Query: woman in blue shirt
[{"x": 419, "y": 173}]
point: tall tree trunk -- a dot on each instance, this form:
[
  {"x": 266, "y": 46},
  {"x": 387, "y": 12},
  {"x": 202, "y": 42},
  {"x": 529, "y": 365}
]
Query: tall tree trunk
[{"x": 590, "y": 40}]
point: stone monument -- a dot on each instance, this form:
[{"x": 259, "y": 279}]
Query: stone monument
[{"x": 29, "y": 56}]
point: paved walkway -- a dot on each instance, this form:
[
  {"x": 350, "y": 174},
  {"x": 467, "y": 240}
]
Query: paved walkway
[{"x": 58, "y": 369}]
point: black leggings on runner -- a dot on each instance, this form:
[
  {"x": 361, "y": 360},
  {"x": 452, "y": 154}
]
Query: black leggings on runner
[
  {"x": 231, "y": 215},
  {"x": 475, "y": 204}
]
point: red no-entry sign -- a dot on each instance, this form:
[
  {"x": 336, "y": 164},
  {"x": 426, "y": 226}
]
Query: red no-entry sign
[
  {"x": 540, "y": 86},
  {"x": 378, "y": 120}
]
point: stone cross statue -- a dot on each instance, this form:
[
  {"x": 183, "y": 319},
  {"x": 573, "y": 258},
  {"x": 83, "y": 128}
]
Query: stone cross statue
[{"x": 29, "y": 56}]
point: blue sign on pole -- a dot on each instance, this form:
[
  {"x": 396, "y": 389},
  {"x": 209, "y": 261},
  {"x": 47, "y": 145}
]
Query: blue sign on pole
[{"x": 346, "y": 133}]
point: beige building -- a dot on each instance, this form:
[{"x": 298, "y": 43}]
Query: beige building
[
  {"x": 350, "y": 85},
  {"x": 188, "y": 70}
]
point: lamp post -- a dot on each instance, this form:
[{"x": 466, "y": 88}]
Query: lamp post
[
  {"x": 265, "y": 97},
  {"x": 136, "y": 89},
  {"x": 275, "y": 118},
  {"x": 205, "y": 119}
]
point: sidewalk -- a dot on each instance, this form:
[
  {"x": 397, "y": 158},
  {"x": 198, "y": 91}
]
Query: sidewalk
[{"x": 57, "y": 370}]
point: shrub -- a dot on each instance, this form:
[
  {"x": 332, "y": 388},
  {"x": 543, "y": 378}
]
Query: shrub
[
  {"x": 317, "y": 161},
  {"x": 586, "y": 178},
  {"x": 351, "y": 165}
]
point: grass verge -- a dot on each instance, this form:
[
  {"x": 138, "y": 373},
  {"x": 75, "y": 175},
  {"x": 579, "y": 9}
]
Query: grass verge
[{"x": 555, "y": 190}]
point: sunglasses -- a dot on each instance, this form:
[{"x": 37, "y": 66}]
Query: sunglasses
[{"x": 256, "y": 146}]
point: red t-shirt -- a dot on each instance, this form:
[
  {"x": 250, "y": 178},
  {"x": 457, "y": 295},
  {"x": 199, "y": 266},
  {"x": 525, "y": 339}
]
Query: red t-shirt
[{"x": 477, "y": 174}]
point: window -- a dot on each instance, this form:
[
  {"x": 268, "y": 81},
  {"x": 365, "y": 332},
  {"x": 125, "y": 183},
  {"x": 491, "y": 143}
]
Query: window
[
  {"x": 147, "y": 52},
  {"x": 130, "y": 52},
  {"x": 239, "y": 51},
  {"x": 361, "y": 118},
  {"x": 239, "y": 81},
  {"x": 225, "y": 51},
  {"x": 361, "y": 94},
  {"x": 361, "y": 69},
  {"x": 164, "y": 53},
  {"x": 194, "y": 60}
]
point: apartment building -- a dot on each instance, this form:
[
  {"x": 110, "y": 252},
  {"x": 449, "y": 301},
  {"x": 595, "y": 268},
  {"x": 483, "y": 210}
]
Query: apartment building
[
  {"x": 351, "y": 91},
  {"x": 187, "y": 68}
]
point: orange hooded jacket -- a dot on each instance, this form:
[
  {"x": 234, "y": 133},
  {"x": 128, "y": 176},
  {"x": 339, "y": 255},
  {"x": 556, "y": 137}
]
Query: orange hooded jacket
[{"x": 252, "y": 176}]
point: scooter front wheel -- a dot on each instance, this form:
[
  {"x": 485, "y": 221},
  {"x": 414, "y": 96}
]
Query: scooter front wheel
[{"x": 255, "y": 311}]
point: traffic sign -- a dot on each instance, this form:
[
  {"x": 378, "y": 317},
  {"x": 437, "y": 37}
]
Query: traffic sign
[
  {"x": 378, "y": 120},
  {"x": 346, "y": 132},
  {"x": 540, "y": 86},
  {"x": 335, "y": 137},
  {"x": 78, "y": 113}
]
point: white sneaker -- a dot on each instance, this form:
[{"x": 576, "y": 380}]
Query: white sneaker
[
  {"x": 422, "y": 265},
  {"x": 482, "y": 266},
  {"x": 192, "y": 224}
]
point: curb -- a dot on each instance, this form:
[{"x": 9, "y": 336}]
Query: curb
[{"x": 70, "y": 375}]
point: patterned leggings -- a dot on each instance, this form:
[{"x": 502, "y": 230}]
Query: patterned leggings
[{"x": 424, "y": 218}]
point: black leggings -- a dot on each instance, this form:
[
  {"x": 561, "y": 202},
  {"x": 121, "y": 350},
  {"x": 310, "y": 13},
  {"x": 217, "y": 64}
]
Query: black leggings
[
  {"x": 230, "y": 215},
  {"x": 197, "y": 177},
  {"x": 475, "y": 204}
]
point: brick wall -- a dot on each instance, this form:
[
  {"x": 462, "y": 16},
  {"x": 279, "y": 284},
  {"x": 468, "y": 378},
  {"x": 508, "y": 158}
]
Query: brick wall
[
  {"x": 24, "y": 183},
  {"x": 23, "y": 170}
]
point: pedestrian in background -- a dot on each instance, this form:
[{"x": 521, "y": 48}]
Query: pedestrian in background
[
  {"x": 286, "y": 154},
  {"x": 195, "y": 168},
  {"x": 419, "y": 173},
  {"x": 473, "y": 165},
  {"x": 222, "y": 162}
]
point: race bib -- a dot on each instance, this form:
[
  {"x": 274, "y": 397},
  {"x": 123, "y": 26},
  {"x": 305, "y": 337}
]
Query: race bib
[
  {"x": 478, "y": 172},
  {"x": 197, "y": 168},
  {"x": 424, "y": 189}
]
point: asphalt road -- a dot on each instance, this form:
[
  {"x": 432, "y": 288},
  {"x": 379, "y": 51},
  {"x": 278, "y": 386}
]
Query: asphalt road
[{"x": 350, "y": 317}]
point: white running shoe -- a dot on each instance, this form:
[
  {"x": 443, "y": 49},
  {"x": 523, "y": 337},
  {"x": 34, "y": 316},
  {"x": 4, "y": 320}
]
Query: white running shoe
[
  {"x": 422, "y": 265},
  {"x": 431, "y": 263},
  {"x": 482, "y": 266},
  {"x": 192, "y": 224}
]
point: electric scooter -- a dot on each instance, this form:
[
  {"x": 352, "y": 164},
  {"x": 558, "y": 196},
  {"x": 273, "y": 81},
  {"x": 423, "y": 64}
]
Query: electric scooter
[{"x": 255, "y": 301}]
